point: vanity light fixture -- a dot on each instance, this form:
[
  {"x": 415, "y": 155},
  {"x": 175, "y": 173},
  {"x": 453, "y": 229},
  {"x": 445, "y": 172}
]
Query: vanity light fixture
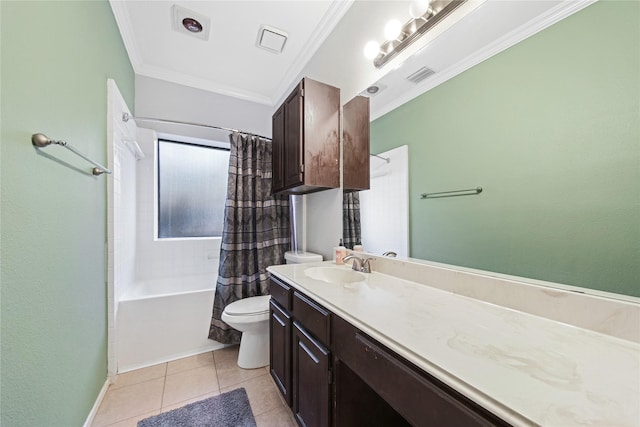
[{"x": 425, "y": 14}]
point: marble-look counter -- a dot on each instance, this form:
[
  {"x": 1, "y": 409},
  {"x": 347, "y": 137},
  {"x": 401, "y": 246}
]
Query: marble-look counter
[{"x": 526, "y": 369}]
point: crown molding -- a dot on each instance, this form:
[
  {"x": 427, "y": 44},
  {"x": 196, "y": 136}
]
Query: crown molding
[
  {"x": 201, "y": 83},
  {"x": 119, "y": 10},
  {"x": 554, "y": 15},
  {"x": 324, "y": 28}
]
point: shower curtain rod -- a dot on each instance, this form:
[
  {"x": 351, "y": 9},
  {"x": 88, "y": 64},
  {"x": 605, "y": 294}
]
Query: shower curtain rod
[{"x": 127, "y": 116}]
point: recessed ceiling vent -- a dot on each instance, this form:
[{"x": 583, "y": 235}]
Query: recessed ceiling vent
[
  {"x": 373, "y": 90},
  {"x": 188, "y": 22},
  {"x": 271, "y": 39},
  {"x": 420, "y": 75}
]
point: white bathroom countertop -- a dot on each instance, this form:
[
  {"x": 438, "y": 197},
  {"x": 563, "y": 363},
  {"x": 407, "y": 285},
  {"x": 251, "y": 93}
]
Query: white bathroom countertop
[{"x": 526, "y": 369}]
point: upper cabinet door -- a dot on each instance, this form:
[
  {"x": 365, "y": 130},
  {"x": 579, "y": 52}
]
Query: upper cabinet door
[
  {"x": 308, "y": 138},
  {"x": 321, "y": 135},
  {"x": 293, "y": 137},
  {"x": 355, "y": 133},
  {"x": 277, "y": 147}
]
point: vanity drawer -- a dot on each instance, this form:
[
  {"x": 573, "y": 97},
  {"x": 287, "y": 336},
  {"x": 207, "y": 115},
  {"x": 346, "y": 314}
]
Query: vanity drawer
[
  {"x": 418, "y": 397},
  {"x": 314, "y": 317},
  {"x": 280, "y": 292}
]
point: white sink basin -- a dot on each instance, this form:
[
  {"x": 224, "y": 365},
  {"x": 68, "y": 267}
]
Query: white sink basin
[{"x": 334, "y": 275}]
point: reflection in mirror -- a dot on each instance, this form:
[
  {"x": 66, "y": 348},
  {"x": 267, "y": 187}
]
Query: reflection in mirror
[
  {"x": 351, "y": 234},
  {"x": 557, "y": 157},
  {"x": 382, "y": 212}
]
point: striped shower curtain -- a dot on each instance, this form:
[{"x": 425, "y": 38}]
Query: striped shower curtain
[
  {"x": 255, "y": 233},
  {"x": 351, "y": 232}
]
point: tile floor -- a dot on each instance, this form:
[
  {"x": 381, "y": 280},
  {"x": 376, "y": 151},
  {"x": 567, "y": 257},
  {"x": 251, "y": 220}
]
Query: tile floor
[{"x": 149, "y": 391}]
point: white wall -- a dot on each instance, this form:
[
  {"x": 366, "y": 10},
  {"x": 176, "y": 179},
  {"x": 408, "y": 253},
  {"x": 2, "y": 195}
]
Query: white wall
[
  {"x": 165, "y": 258},
  {"x": 164, "y": 100},
  {"x": 121, "y": 212},
  {"x": 384, "y": 208}
]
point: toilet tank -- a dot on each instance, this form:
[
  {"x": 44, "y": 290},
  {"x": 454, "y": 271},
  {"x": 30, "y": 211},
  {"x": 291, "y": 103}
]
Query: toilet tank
[{"x": 301, "y": 257}]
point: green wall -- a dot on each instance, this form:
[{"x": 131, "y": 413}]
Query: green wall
[
  {"x": 550, "y": 128},
  {"x": 56, "y": 58}
]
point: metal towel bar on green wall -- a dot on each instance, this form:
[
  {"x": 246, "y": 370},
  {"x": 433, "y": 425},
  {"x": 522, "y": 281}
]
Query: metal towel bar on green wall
[
  {"x": 454, "y": 193},
  {"x": 41, "y": 140}
]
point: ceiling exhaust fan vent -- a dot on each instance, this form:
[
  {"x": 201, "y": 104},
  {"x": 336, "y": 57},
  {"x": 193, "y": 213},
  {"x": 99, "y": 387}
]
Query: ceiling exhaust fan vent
[
  {"x": 271, "y": 39},
  {"x": 420, "y": 75}
]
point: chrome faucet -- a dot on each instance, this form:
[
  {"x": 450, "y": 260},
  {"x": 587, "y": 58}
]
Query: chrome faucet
[
  {"x": 359, "y": 264},
  {"x": 390, "y": 254}
]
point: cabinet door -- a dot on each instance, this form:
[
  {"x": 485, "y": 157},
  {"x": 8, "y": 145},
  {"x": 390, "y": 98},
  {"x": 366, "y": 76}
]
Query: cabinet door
[
  {"x": 280, "y": 350},
  {"x": 355, "y": 131},
  {"x": 277, "y": 146},
  {"x": 311, "y": 380},
  {"x": 293, "y": 139}
]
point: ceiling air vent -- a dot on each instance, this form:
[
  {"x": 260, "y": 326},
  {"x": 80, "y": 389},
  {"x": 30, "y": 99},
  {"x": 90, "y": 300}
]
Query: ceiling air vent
[
  {"x": 420, "y": 75},
  {"x": 271, "y": 39}
]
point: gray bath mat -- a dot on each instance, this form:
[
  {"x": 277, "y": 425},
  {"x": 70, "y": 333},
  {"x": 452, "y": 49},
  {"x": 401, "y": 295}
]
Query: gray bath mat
[{"x": 229, "y": 409}]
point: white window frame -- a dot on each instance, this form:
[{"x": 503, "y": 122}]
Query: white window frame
[{"x": 156, "y": 186}]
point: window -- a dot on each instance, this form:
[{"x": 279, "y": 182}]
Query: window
[{"x": 192, "y": 188}]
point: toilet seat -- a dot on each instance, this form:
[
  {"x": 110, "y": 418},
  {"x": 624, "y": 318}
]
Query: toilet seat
[{"x": 252, "y": 306}]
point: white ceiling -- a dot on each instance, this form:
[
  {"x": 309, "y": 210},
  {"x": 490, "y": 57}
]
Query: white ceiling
[
  {"x": 229, "y": 61},
  {"x": 325, "y": 43}
]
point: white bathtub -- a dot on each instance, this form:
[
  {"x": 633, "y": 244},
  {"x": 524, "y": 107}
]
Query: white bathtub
[{"x": 164, "y": 319}]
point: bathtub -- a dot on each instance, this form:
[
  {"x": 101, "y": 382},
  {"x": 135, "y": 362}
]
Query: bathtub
[{"x": 164, "y": 319}]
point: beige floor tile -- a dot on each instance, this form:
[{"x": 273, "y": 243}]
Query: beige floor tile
[
  {"x": 262, "y": 393},
  {"x": 140, "y": 375},
  {"x": 189, "y": 384},
  {"x": 133, "y": 422},
  {"x": 227, "y": 353},
  {"x": 186, "y": 402},
  {"x": 229, "y": 373},
  {"x": 129, "y": 401},
  {"x": 203, "y": 359},
  {"x": 278, "y": 417}
]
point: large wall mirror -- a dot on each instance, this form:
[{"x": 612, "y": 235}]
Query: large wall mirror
[{"x": 552, "y": 141}]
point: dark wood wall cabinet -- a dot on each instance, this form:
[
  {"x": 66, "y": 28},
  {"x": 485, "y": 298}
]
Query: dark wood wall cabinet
[
  {"x": 355, "y": 137},
  {"x": 306, "y": 140},
  {"x": 333, "y": 374}
]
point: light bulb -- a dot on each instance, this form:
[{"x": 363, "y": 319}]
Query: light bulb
[
  {"x": 417, "y": 8},
  {"x": 371, "y": 49},
  {"x": 393, "y": 29}
]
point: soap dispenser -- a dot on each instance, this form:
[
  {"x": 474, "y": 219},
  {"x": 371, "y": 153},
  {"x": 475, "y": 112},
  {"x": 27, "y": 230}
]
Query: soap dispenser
[{"x": 339, "y": 252}]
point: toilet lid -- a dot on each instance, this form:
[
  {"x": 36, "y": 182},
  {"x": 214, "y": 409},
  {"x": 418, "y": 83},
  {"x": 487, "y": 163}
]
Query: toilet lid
[{"x": 248, "y": 306}]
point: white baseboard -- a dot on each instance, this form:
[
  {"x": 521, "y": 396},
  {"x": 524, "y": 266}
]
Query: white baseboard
[{"x": 97, "y": 403}]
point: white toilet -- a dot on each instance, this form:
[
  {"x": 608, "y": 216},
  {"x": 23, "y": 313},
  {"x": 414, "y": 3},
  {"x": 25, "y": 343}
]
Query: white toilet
[
  {"x": 301, "y": 257},
  {"x": 251, "y": 317}
]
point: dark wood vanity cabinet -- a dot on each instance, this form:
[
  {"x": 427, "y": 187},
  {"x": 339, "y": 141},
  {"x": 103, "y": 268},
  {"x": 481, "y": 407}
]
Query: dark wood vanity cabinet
[
  {"x": 355, "y": 137},
  {"x": 280, "y": 350},
  {"x": 380, "y": 375},
  {"x": 306, "y": 143},
  {"x": 300, "y": 359},
  {"x": 333, "y": 374},
  {"x": 311, "y": 379}
]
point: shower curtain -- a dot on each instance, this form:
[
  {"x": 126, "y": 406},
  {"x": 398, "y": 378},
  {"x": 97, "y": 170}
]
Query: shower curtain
[
  {"x": 351, "y": 219},
  {"x": 255, "y": 234}
]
